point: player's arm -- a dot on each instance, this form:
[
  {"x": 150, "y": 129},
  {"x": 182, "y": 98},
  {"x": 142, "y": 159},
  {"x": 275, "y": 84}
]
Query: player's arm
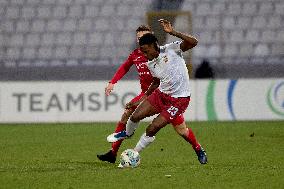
[
  {"x": 121, "y": 71},
  {"x": 155, "y": 84},
  {"x": 188, "y": 41}
]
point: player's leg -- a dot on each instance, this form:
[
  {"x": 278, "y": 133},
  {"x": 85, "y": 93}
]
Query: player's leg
[
  {"x": 110, "y": 156},
  {"x": 145, "y": 109},
  {"x": 149, "y": 136},
  {"x": 121, "y": 127},
  {"x": 187, "y": 133}
]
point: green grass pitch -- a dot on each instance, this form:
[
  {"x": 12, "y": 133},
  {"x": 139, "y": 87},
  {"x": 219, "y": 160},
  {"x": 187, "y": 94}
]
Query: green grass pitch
[{"x": 240, "y": 155}]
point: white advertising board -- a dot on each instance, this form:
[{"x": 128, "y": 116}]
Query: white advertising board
[
  {"x": 85, "y": 101},
  {"x": 63, "y": 101},
  {"x": 255, "y": 99}
]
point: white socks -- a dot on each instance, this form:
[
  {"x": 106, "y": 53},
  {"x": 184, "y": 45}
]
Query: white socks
[
  {"x": 144, "y": 142},
  {"x": 131, "y": 127}
]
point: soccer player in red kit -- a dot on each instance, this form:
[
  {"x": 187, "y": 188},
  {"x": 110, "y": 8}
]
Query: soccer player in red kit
[
  {"x": 172, "y": 96},
  {"x": 138, "y": 59}
]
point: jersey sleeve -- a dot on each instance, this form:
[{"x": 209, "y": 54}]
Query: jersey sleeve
[{"x": 122, "y": 70}]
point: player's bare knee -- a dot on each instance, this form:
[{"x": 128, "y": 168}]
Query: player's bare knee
[
  {"x": 178, "y": 131},
  {"x": 182, "y": 131}
]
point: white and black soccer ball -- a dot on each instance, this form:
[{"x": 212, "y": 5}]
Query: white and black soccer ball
[{"x": 129, "y": 158}]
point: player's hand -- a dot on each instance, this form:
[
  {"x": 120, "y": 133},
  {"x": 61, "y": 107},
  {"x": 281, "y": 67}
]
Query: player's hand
[
  {"x": 109, "y": 88},
  {"x": 166, "y": 25}
]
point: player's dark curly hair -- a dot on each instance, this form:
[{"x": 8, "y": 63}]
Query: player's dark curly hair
[
  {"x": 143, "y": 28},
  {"x": 148, "y": 39}
]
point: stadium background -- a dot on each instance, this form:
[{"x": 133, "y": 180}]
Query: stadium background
[
  {"x": 89, "y": 39},
  {"x": 56, "y": 57},
  {"x": 86, "y": 40}
]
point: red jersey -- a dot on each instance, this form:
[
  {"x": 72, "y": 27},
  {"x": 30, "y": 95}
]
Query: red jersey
[{"x": 138, "y": 59}]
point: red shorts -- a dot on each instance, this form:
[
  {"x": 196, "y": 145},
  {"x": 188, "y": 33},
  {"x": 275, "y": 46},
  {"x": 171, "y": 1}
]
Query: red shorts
[
  {"x": 169, "y": 107},
  {"x": 176, "y": 121}
]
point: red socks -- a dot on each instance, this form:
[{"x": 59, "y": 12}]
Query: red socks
[
  {"x": 121, "y": 126},
  {"x": 115, "y": 146},
  {"x": 192, "y": 140}
]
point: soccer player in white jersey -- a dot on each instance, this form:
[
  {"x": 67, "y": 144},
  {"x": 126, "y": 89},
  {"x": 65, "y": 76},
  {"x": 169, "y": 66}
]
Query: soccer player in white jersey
[{"x": 172, "y": 96}]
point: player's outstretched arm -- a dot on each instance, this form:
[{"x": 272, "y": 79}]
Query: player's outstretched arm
[
  {"x": 188, "y": 40},
  {"x": 121, "y": 71}
]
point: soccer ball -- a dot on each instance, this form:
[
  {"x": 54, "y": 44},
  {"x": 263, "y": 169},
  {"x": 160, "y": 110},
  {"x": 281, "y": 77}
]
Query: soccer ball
[{"x": 129, "y": 158}]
